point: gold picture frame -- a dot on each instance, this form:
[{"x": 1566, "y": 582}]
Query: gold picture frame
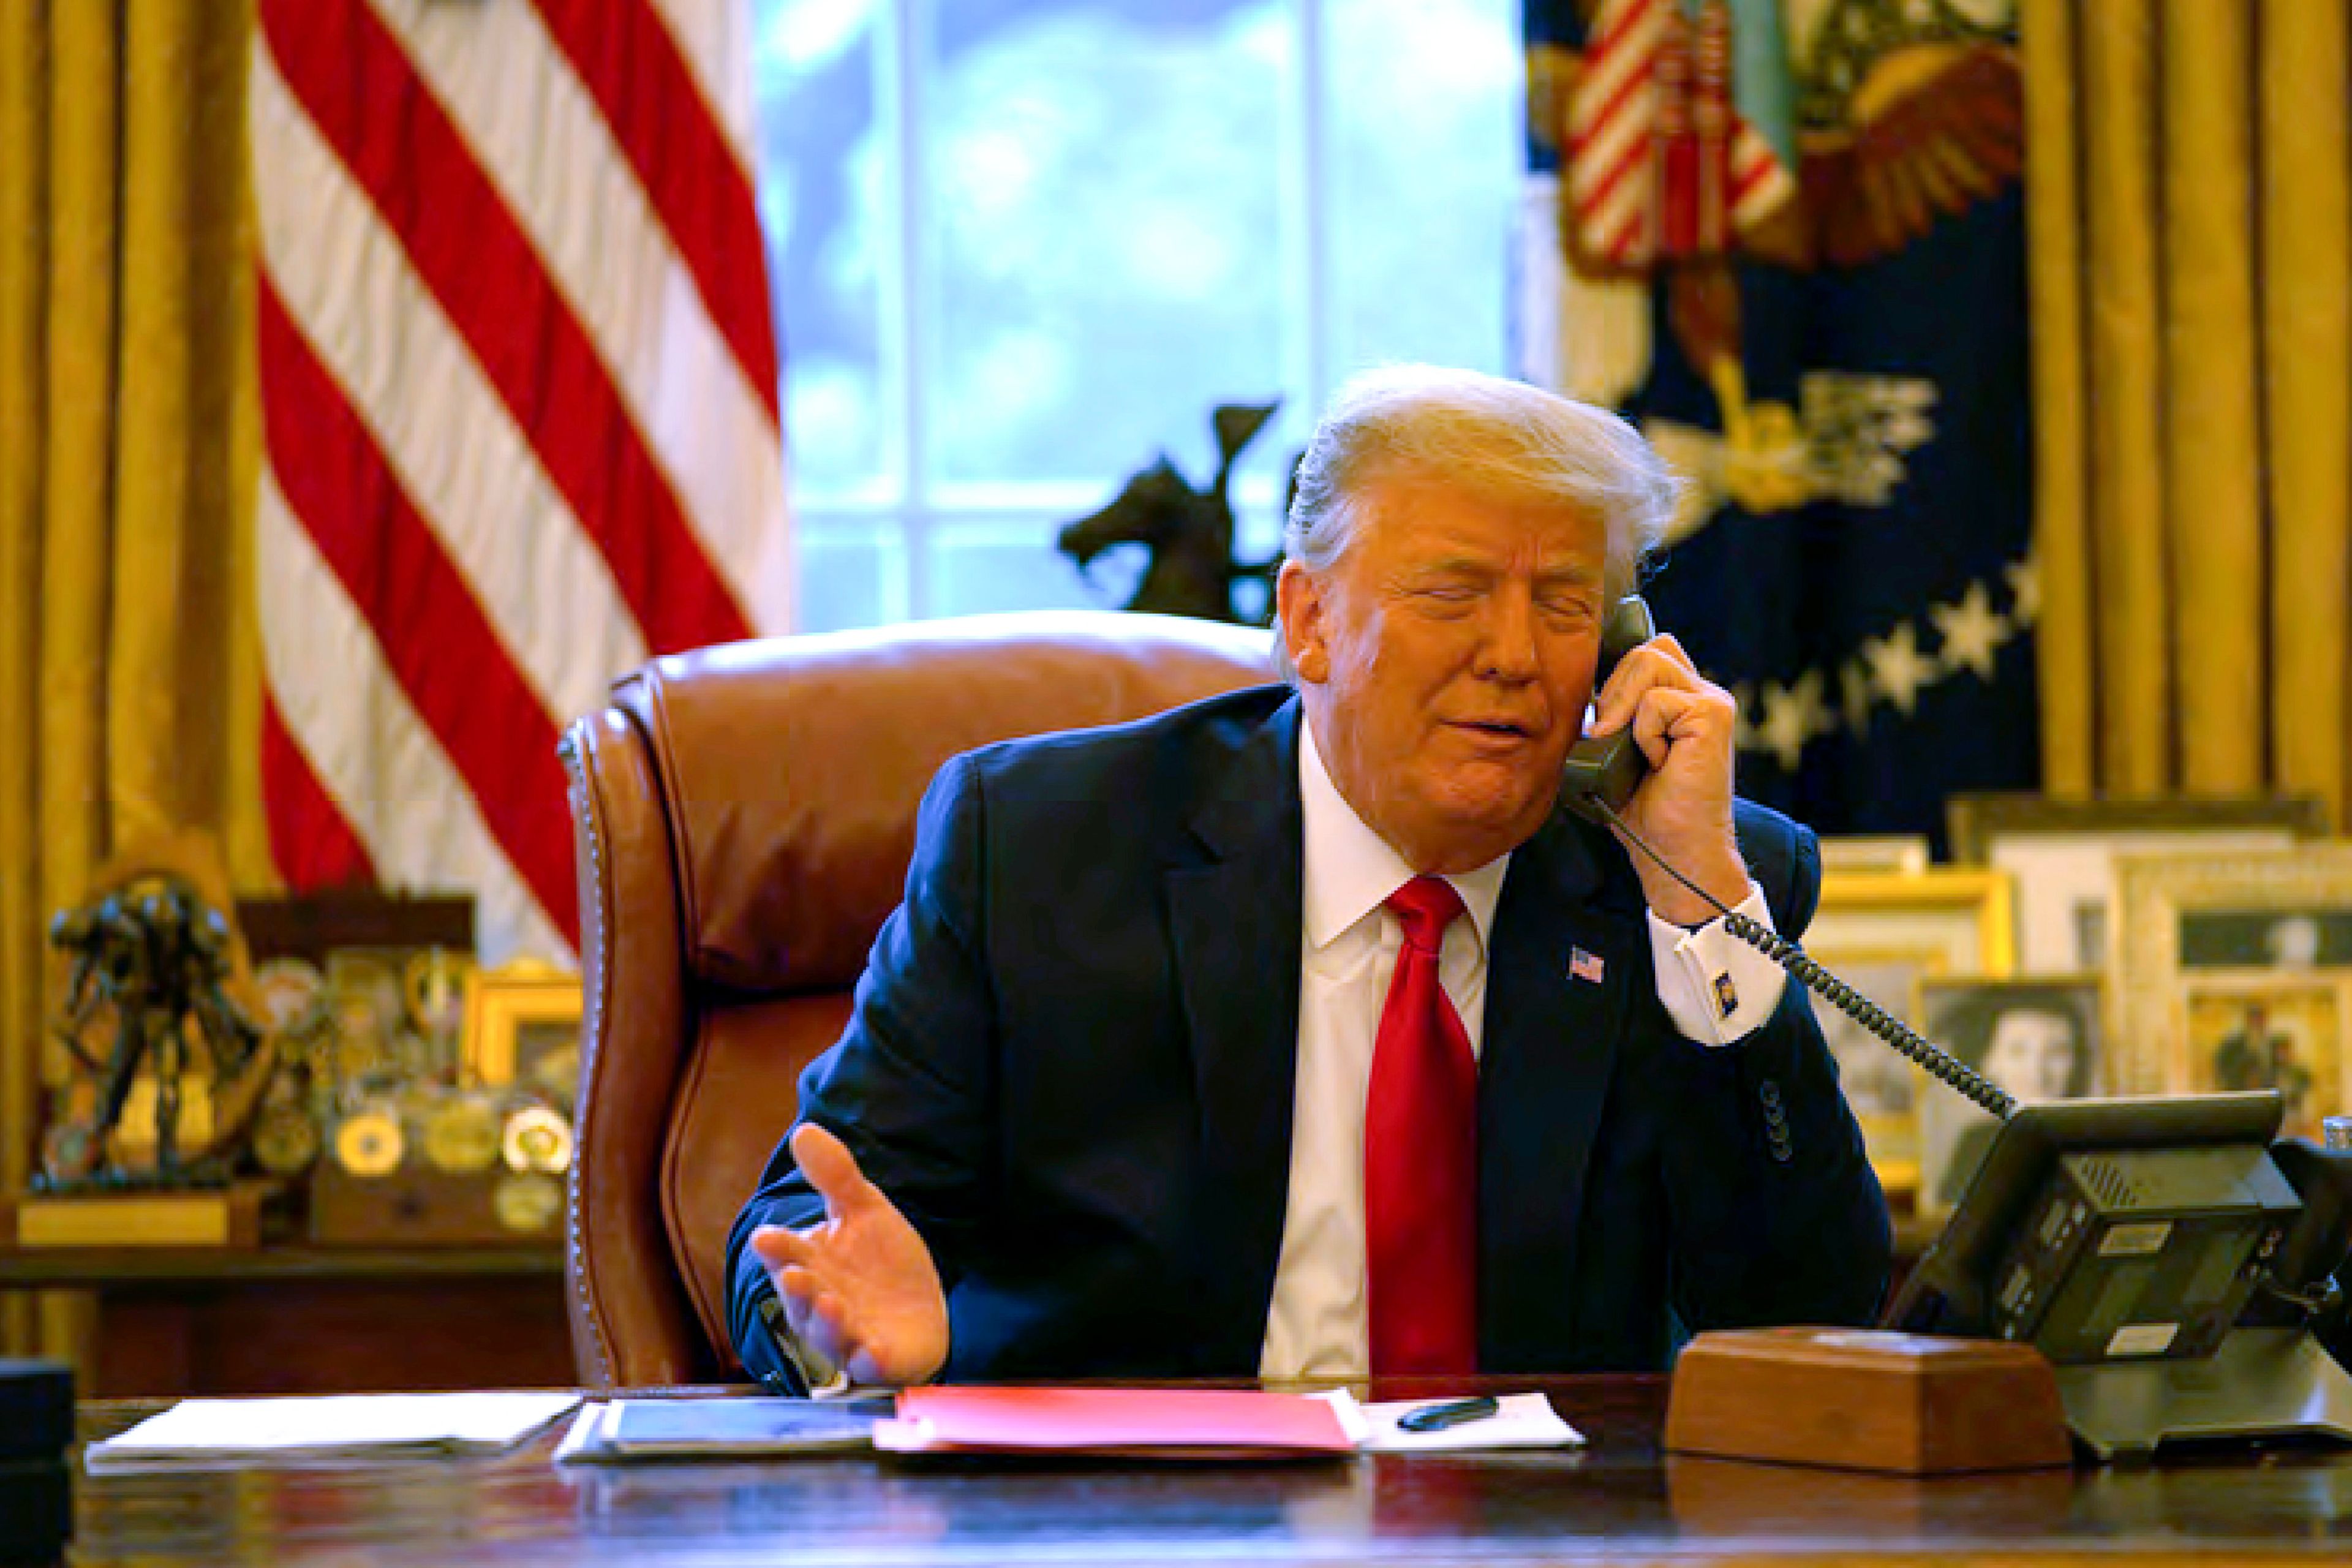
[
  {"x": 2271, "y": 1028},
  {"x": 509, "y": 1009},
  {"x": 2062, "y": 856},
  {"x": 2169, "y": 899},
  {"x": 1847, "y": 853},
  {"x": 1884, "y": 933}
]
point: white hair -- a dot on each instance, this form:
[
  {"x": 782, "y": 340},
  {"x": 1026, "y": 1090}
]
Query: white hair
[{"x": 1489, "y": 435}]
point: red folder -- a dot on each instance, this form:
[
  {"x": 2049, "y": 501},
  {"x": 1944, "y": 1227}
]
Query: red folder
[{"x": 1145, "y": 1423}]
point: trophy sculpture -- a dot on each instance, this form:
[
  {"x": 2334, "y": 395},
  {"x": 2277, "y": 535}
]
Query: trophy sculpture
[{"x": 147, "y": 1015}]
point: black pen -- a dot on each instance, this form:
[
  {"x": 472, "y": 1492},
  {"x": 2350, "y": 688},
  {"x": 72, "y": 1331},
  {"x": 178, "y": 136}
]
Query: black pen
[{"x": 1453, "y": 1413}]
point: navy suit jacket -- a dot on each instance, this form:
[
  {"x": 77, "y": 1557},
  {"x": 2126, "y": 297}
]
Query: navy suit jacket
[{"x": 1072, "y": 1059}]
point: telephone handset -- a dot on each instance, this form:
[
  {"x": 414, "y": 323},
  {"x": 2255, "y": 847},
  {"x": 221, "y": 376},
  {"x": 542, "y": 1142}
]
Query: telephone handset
[
  {"x": 1600, "y": 776},
  {"x": 1609, "y": 768}
]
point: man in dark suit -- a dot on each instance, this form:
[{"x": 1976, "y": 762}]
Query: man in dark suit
[{"x": 1299, "y": 1032}]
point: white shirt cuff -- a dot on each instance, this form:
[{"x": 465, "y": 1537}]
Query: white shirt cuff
[{"x": 1715, "y": 988}]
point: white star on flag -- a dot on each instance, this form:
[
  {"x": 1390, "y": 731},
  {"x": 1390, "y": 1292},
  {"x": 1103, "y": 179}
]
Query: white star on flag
[
  {"x": 1973, "y": 633},
  {"x": 1897, "y": 668}
]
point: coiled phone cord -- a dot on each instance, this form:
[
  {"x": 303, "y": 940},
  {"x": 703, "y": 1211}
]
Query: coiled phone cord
[{"x": 1965, "y": 1079}]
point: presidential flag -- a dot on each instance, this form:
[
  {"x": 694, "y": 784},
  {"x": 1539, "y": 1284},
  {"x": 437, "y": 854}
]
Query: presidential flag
[
  {"x": 519, "y": 403},
  {"x": 1787, "y": 240}
]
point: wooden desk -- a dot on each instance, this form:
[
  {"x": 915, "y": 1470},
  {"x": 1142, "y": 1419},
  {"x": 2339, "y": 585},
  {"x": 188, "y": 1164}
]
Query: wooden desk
[
  {"x": 305, "y": 1319},
  {"x": 1618, "y": 1499}
]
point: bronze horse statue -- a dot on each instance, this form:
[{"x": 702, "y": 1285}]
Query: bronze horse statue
[{"x": 1190, "y": 532}]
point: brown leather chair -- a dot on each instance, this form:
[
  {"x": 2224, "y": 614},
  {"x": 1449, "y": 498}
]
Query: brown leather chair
[{"x": 744, "y": 818}]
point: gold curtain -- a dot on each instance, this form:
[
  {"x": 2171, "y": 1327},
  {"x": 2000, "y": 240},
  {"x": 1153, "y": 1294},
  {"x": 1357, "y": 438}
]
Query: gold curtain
[
  {"x": 129, "y": 664},
  {"x": 2188, "y": 186}
]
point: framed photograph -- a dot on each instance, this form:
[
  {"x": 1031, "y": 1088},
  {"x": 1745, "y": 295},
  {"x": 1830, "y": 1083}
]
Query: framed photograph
[
  {"x": 2063, "y": 855},
  {"x": 522, "y": 1028},
  {"x": 1884, "y": 933},
  {"x": 2208, "y": 924},
  {"x": 2039, "y": 1040},
  {"x": 1848, "y": 852},
  {"x": 2272, "y": 1029}
]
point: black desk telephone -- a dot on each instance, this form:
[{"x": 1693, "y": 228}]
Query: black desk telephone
[{"x": 2254, "y": 1325}]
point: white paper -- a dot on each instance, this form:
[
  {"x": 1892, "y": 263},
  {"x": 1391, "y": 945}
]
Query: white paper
[
  {"x": 1520, "y": 1421},
  {"x": 587, "y": 1431},
  {"x": 335, "y": 1426}
]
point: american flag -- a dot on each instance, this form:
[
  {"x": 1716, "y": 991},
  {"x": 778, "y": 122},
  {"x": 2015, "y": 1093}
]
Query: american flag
[
  {"x": 519, "y": 391},
  {"x": 1658, "y": 161}
]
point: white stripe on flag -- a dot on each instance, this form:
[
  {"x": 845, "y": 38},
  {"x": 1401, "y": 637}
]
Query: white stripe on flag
[
  {"x": 1604, "y": 75},
  {"x": 375, "y": 757},
  {"x": 549, "y": 153},
  {"x": 715, "y": 38},
  {"x": 471, "y": 472}
]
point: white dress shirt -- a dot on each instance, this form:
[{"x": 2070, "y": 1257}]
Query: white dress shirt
[{"x": 1715, "y": 987}]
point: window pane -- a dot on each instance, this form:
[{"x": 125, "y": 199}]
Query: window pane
[
  {"x": 1102, "y": 181},
  {"x": 825, "y": 199},
  {"x": 1424, "y": 96},
  {"x": 977, "y": 568},
  {"x": 852, "y": 574}
]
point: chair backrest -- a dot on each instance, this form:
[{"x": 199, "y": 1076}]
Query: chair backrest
[{"x": 744, "y": 818}]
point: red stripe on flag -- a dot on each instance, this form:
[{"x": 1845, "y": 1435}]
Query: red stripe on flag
[
  {"x": 1637, "y": 155},
  {"x": 631, "y": 67},
  {"x": 1636, "y": 81},
  {"x": 434, "y": 636},
  {"x": 360, "y": 88},
  {"x": 313, "y": 844},
  {"x": 1615, "y": 29}
]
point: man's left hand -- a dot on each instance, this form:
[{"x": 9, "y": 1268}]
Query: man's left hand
[{"x": 1686, "y": 726}]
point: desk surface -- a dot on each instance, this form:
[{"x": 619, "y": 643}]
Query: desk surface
[{"x": 1619, "y": 1499}]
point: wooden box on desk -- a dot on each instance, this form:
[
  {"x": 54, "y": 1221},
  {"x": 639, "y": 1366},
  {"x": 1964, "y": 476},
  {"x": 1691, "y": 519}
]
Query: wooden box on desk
[
  {"x": 1858, "y": 1399},
  {"x": 420, "y": 1207}
]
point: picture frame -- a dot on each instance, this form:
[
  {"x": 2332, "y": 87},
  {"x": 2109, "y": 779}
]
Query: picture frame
[
  {"x": 1845, "y": 853},
  {"x": 1883, "y": 932},
  {"x": 2272, "y": 1029},
  {"x": 2172, "y": 906},
  {"x": 2062, "y": 853},
  {"x": 522, "y": 1030},
  {"x": 2041, "y": 1039}
]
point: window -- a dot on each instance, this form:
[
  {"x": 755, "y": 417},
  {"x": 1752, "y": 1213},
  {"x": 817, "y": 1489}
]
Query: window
[{"x": 1021, "y": 246}]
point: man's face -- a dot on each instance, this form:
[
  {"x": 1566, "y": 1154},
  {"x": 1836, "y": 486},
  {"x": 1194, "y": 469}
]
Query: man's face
[
  {"x": 2031, "y": 1054},
  {"x": 1445, "y": 660}
]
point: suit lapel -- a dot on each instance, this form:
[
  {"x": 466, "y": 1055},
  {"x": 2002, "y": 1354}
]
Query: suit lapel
[
  {"x": 1551, "y": 1042},
  {"x": 1234, "y": 916}
]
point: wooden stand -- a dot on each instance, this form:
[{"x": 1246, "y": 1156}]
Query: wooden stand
[
  {"x": 1859, "y": 1399},
  {"x": 228, "y": 1216},
  {"x": 413, "y": 1208}
]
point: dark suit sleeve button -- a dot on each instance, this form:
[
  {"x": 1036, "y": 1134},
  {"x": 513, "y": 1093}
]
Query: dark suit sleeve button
[{"x": 1768, "y": 1092}]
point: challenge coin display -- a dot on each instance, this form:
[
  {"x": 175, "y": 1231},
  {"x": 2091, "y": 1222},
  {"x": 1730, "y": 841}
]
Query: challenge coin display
[
  {"x": 433, "y": 982},
  {"x": 368, "y": 1141},
  {"x": 529, "y": 1201},
  {"x": 285, "y": 1139},
  {"x": 537, "y": 1139},
  {"x": 289, "y": 996},
  {"x": 461, "y": 1134}
]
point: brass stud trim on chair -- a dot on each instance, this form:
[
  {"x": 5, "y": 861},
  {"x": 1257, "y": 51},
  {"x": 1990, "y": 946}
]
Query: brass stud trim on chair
[{"x": 572, "y": 749}]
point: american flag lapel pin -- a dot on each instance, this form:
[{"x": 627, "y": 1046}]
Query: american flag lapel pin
[{"x": 1585, "y": 966}]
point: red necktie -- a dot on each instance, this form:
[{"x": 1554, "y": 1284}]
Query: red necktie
[{"x": 1420, "y": 1157}]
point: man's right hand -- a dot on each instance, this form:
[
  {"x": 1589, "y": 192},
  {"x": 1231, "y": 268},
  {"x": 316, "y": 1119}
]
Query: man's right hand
[{"x": 860, "y": 1288}]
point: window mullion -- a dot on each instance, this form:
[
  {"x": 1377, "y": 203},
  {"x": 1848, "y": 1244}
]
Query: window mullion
[
  {"x": 1307, "y": 174},
  {"x": 907, "y": 295}
]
